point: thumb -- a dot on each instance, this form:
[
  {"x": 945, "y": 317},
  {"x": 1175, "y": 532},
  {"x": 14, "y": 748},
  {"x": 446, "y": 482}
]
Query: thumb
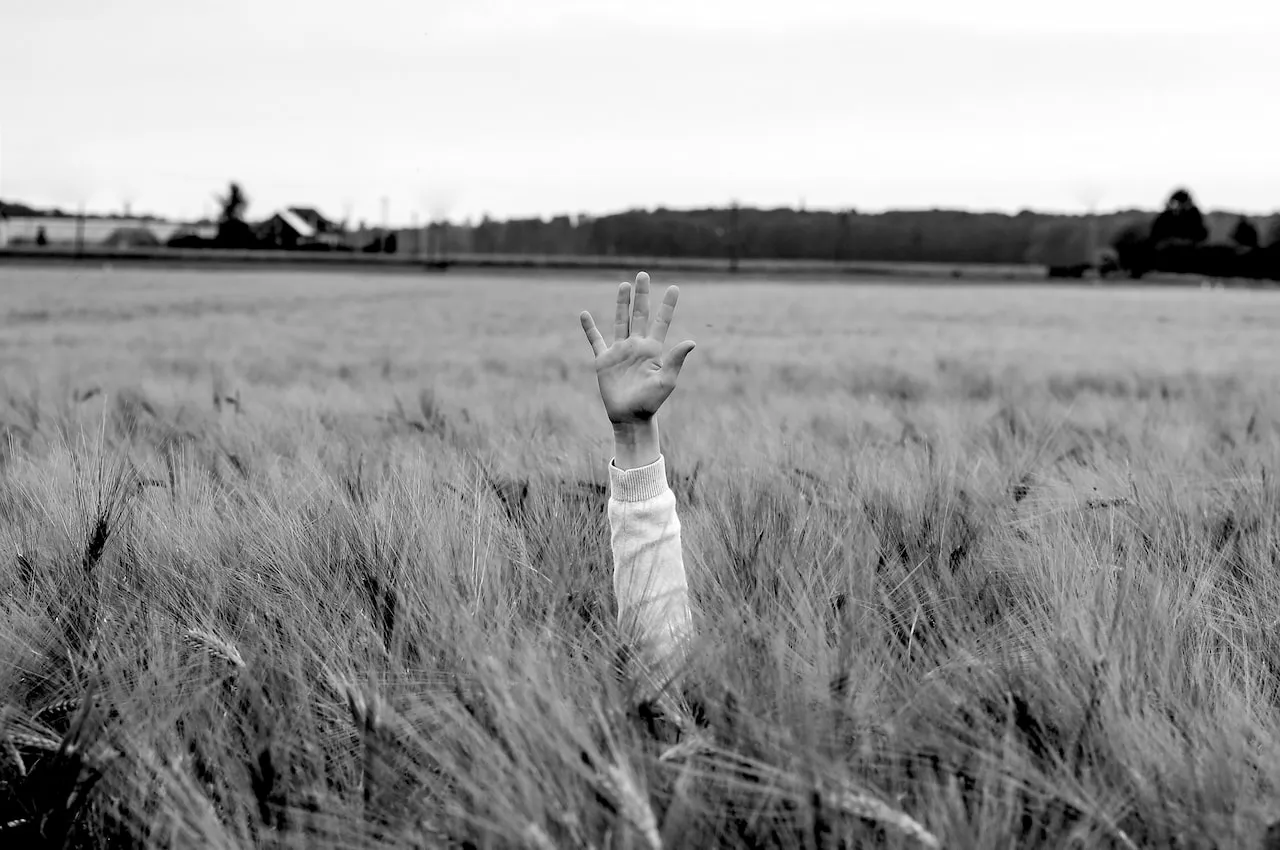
[{"x": 675, "y": 358}]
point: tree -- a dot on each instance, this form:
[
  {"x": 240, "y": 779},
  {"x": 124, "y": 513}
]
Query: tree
[
  {"x": 1180, "y": 221},
  {"x": 233, "y": 230},
  {"x": 1062, "y": 246},
  {"x": 1133, "y": 249},
  {"x": 233, "y": 204},
  {"x": 1245, "y": 234}
]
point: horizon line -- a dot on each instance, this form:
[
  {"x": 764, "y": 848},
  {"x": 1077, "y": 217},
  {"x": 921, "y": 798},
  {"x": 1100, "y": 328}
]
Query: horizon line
[{"x": 473, "y": 220}]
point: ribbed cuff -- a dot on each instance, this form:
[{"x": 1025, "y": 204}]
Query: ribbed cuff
[{"x": 641, "y": 483}]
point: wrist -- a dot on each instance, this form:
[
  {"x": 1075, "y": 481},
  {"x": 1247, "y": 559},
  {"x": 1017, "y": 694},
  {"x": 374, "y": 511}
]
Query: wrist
[{"x": 635, "y": 443}]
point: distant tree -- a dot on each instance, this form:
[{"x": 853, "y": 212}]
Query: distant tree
[
  {"x": 42, "y": 238},
  {"x": 1179, "y": 221},
  {"x": 233, "y": 230},
  {"x": 1245, "y": 234},
  {"x": 188, "y": 239},
  {"x": 1133, "y": 249},
  {"x": 1062, "y": 246},
  {"x": 17, "y": 210},
  {"x": 486, "y": 235},
  {"x": 234, "y": 204},
  {"x": 1268, "y": 258}
]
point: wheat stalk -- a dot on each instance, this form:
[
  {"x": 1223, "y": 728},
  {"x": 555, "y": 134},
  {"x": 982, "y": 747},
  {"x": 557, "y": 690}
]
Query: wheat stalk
[
  {"x": 847, "y": 798},
  {"x": 367, "y": 708},
  {"x": 694, "y": 745},
  {"x": 214, "y": 645},
  {"x": 537, "y": 837},
  {"x": 851, "y": 800},
  {"x": 34, "y": 742},
  {"x": 635, "y": 807},
  {"x": 16, "y": 757},
  {"x": 371, "y": 712},
  {"x": 59, "y": 708}
]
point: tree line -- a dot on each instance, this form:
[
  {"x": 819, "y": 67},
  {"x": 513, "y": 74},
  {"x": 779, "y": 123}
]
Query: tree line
[
  {"x": 1135, "y": 243},
  {"x": 1177, "y": 239}
]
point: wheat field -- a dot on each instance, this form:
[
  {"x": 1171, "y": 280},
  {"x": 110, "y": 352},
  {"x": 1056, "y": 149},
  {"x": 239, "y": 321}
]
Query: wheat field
[{"x": 321, "y": 560}]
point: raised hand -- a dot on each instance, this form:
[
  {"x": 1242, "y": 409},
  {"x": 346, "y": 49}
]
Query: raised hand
[{"x": 634, "y": 377}]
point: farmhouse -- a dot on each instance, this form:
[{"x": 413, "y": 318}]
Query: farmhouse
[{"x": 295, "y": 227}]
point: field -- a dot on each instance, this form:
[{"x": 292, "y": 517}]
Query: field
[{"x": 321, "y": 560}]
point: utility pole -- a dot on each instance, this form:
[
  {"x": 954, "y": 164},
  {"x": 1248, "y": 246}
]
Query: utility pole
[
  {"x": 382, "y": 240},
  {"x": 1093, "y": 237},
  {"x": 842, "y": 235},
  {"x": 80, "y": 229},
  {"x": 442, "y": 240},
  {"x": 1090, "y": 194},
  {"x": 733, "y": 238}
]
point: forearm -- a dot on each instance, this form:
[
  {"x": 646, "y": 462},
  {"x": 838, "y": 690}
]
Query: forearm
[{"x": 649, "y": 576}]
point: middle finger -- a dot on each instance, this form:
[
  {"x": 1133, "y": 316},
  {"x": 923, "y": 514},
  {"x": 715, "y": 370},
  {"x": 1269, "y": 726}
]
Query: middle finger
[{"x": 640, "y": 306}]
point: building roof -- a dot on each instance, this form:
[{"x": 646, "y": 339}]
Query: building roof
[
  {"x": 312, "y": 216},
  {"x": 297, "y": 222}
]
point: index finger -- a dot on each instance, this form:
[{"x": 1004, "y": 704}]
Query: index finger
[{"x": 593, "y": 333}]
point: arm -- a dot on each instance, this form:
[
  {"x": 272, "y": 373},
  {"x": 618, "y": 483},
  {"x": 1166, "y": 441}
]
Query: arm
[
  {"x": 635, "y": 379},
  {"x": 648, "y": 560}
]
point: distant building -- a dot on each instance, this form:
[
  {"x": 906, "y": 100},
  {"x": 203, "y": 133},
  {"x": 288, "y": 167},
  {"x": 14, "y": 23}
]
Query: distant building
[
  {"x": 298, "y": 227},
  {"x": 90, "y": 231},
  {"x": 192, "y": 235},
  {"x": 132, "y": 237}
]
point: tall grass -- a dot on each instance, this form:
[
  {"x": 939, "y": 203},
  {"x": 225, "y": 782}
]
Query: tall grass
[
  {"x": 997, "y": 573},
  {"x": 223, "y": 636}
]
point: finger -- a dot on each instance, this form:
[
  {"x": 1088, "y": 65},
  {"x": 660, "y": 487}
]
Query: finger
[
  {"x": 593, "y": 334},
  {"x": 640, "y": 306},
  {"x": 666, "y": 310},
  {"x": 674, "y": 360},
  {"x": 622, "y": 316}
]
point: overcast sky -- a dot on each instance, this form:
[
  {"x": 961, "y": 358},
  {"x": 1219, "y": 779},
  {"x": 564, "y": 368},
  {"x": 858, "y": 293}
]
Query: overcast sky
[{"x": 537, "y": 107}]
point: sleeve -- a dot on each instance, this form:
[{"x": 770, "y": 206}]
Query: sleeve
[{"x": 648, "y": 562}]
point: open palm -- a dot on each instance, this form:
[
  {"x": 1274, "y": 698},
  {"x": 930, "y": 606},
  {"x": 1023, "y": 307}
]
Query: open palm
[{"x": 635, "y": 379}]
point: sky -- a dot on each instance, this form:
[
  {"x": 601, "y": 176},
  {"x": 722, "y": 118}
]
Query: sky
[{"x": 520, "y": 108}]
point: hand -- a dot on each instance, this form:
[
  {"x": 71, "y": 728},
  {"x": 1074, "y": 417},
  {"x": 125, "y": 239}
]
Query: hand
[{"x": 635, "y": 379}]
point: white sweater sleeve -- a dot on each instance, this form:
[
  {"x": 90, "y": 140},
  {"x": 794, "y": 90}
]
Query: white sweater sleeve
[{"x": 648, "y": 562}]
